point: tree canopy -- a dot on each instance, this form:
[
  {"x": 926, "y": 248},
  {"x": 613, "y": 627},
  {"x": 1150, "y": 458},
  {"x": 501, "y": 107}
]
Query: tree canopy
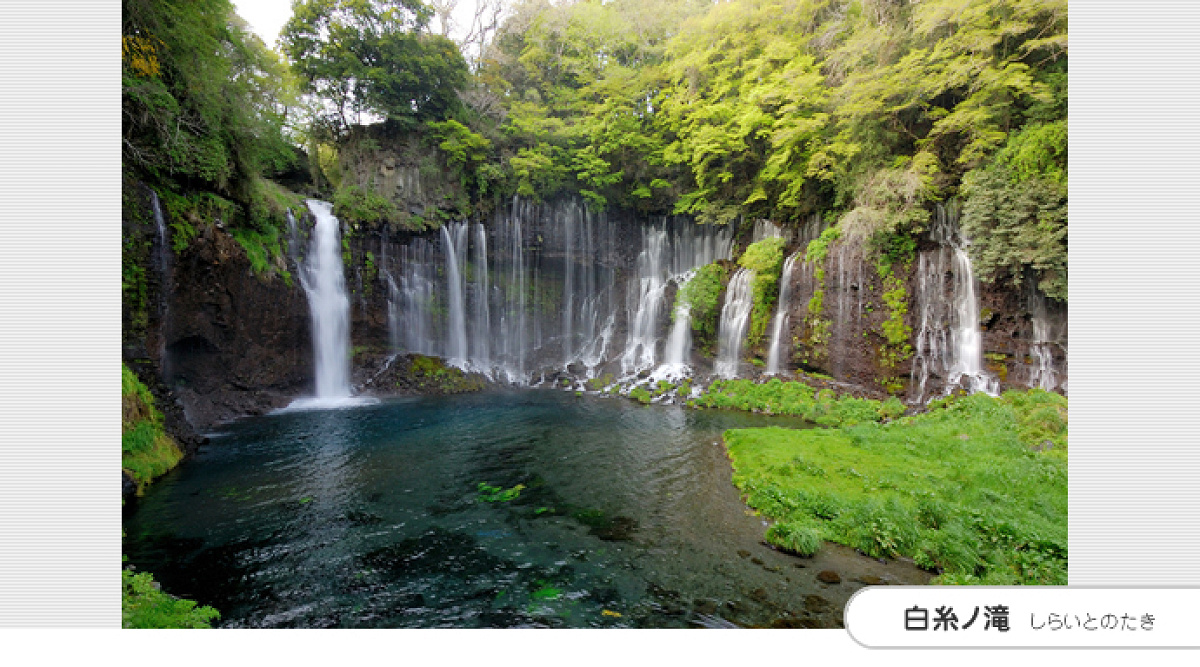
[{"x": 373, "y": 57}]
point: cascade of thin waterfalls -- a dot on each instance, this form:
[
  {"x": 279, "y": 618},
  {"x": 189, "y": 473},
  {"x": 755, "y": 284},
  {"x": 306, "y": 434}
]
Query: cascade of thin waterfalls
[
  {"x": 323, "y": 280},
  {"x": 536, "y": 290},
  {"x": 671, "y": 251},
  {"x": 780, "y": 325},
  {"x": 735, "y": 319},
  {"x": 949, "y": 343},
  {"x": 1047, "y": 334},
  {"x": 765, "y": 229}
]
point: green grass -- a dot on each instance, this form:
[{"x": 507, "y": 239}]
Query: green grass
[
  {"x": 776, "y": 396},
  {"x": 146, "y": 450},
  {"x": 975, "y": 489},
  {"x": 143, "y": 605}
]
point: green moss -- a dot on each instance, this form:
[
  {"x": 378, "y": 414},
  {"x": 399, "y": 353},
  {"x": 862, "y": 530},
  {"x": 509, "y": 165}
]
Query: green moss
[
  {"x": 702, "y": 294},
  {"x": 146, "y": 450},
  {"x": 355, "y": 205},
  {"x": 895, "y": 349},
  {"x": 143, "y": 605},
  {"x": 964, "y": 490},
  {"x": 765, "y": 259},
  {"x": 264, "y": 251},
  {"x": 640, "y": 395},
  {"x": 596, "y": 384},
  {"x": 817, "y": 326}
]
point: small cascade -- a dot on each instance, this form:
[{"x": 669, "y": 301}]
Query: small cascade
[
  {"x": 780, "y": 325},
  {"x": 679, "y": 341},
  {"x": 323, "y": 280},
  {"x": 645, "y": 301},
  {"x": 454, "y": 244},
  {"x": 162, "y": 265},
  {"x": 481, "y": 317},
  {"x": 1048, "y": 333},
  {"x": 765, "y": 229},
  {"x": 949, "y": 343},
  {"x": 735, "y": 319}
]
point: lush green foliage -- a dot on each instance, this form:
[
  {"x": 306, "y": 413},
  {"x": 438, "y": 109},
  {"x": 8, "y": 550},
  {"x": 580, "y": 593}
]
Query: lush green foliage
[
  {"x": 964, "y": 489},
  {"x": 702, "y": 295},
  {"x": 143, "y": 605},
  {"x": 765, "y": 259},
  {"x": 816, "y": 324},
  {"x": 200, "y": 97},
  {"x": 776, "y": 396},
  {"x": 360, "y": 205},
  {"x": 896, "y": 348},
  {"x": 771, "y": 107},
  {"x": 373, "y": 57},
  {"x": 1015, "y": 210},
  {"x": 146, "y": 450}
]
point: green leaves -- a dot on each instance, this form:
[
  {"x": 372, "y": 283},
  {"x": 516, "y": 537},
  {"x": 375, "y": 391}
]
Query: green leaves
[{"x": 370, "y": 56}]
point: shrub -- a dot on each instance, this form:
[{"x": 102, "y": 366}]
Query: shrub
[
  {"x": 702, "y": 294},
  {"x": 765, "y": 259}
]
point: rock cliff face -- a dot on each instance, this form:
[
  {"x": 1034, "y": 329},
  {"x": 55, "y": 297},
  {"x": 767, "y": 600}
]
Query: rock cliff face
[{"x": 229, "y": 342}]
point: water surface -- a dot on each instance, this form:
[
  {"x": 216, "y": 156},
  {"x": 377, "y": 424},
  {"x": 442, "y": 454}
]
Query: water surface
[{"x": 374, "y": 516}]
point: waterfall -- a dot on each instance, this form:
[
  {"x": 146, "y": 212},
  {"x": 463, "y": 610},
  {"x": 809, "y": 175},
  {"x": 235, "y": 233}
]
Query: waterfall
[
  {"x": 1048, "y": 333},
  {"x": 162, "y": 265},
  {"x": 645, "y": 300},
  {"x": 536, "y": 290},
  {"x": 481, "y": 328},
  {"x": 779, "y": 328},
  {"x": 454, "y": 240},
  {"x": 765, "y": 229},
  {"x": 949, "y": 344},
  {"x": 324, "y": 284},
  {"x": 671, "y": 252},
  {"x": 735, "y": 319}
]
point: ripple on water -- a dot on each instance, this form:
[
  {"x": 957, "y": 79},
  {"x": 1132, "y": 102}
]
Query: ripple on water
[{"x": 598, "y": 513}]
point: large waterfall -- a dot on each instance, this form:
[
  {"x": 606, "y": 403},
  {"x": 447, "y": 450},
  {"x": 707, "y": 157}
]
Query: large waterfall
[
  {"x": 539, "y": 290},
  {"x": 325, "y": 286},
  {"x": 780, "y": 325},
  {"x": 735, "y": 320},
  {"x": 949, "y": 344}
]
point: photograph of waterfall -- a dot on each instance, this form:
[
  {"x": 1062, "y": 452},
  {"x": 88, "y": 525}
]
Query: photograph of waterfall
[{"x": 589, "y": 314}]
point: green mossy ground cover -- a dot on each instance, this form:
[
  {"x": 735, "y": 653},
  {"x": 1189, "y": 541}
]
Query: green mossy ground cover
[
  {"x": 775, "y": 396},
  {"x": 975, "y": 488},
  {"x": 146, "y": 450},
  {"x": 143, "y": 605}
]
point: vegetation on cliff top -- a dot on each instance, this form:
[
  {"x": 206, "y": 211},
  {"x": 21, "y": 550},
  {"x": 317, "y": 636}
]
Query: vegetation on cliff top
[{"x": 975, "y": 488}]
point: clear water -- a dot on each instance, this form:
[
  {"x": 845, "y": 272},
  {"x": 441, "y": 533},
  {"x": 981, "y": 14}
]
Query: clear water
[{"x": 373, "y": 517}]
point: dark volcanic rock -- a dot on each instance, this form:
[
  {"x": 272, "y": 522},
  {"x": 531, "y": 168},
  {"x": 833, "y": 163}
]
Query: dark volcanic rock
[{"x": 829, "y": 577}]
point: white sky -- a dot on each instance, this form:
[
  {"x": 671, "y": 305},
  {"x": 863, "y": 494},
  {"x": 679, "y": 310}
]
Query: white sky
[{"x": 267, "y": 17}]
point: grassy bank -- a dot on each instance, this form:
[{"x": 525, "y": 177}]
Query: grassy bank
[
  {"x": 146, "y": 449},
  {"x": 146, "y": 453},
  {"x": 822, "y": 406},
  {"x": 975, "y": 488}
]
